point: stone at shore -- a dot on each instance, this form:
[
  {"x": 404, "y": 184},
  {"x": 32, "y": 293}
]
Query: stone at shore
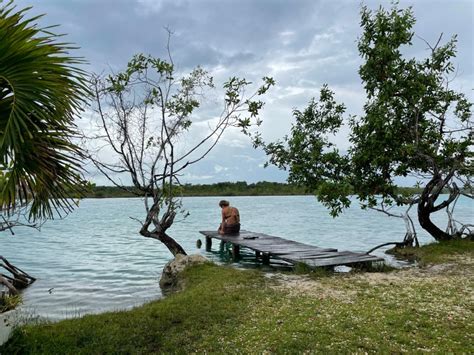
[
  {"x": 172, "y": 270},
  {"x": 8, "y": 321}
]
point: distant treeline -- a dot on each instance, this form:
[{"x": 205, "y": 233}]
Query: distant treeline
[{"x": 239, "y": 188}]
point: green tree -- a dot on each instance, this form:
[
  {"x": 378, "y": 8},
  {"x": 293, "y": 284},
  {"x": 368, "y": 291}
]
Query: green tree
[
  {"x": 413, "y": 124},
  {"x": 145, "y": 114},
  {"x": 41, "y": 90}
]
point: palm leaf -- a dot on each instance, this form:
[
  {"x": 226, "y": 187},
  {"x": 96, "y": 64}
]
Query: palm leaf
[{"x": 41, "y": 91}]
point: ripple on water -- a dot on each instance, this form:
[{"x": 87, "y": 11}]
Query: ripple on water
[{"x": 95, "y": 261}]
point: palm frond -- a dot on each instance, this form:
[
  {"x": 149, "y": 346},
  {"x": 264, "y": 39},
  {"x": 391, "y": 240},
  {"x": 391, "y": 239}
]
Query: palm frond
[{"x": 41, "y": 92}]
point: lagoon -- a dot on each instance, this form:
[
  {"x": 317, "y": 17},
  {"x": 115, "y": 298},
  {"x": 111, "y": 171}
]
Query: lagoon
[{"x": 94, "y": 260}]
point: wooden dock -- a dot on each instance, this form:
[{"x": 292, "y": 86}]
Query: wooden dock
[{"x": 267, "y": 247}]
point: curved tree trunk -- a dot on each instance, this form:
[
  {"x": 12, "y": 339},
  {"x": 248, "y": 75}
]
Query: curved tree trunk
[
  {"x": 173, "y": 246},
  {"x": 426, "y": 223},
  {"x": 426, "y": 205},
  {"x": 161, "y": 226}
]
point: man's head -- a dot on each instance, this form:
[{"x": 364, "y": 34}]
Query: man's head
[{"x": 224, "y": 203}]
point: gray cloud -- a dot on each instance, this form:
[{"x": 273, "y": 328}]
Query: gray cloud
[{"x": 301, "y": 43}]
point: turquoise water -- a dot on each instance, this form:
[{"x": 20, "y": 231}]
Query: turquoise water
[{"x": 94, "y": 260}]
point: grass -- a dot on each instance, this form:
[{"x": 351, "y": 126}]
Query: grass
[
  {"x": 305, "y": 269},
  {"x": 436, "y": 253},
  {"x": 224, "y": 310},
  {"x": 8, "y": 302}
]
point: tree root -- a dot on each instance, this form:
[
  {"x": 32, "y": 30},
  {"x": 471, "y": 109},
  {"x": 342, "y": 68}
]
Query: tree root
[
  {"x": 410, "y": 240},
  {"x": 397, "y": 245},
  {"x": 17, "y": 280}
]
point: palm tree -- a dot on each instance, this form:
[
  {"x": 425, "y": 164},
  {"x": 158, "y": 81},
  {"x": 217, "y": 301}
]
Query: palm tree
[{"x": 41, "y": 90}]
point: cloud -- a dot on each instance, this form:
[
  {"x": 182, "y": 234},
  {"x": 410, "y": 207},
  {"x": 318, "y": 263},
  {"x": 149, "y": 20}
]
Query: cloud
[
  {"x": 303, "y": 44},
  {"x": 219, "y": 168},
  {"x": 287, "y": 37},
  {"x": 188, "y": 177}
]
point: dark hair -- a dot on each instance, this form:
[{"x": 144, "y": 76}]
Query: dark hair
[{"x": 223, "y": 203}]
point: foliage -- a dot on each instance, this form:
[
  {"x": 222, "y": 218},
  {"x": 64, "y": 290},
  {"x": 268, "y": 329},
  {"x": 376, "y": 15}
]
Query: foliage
[
  {"x": 145, "y": 116},
  {"x": 413, "y": 125},
  {"x": 314, "y": 161},
  {"x": 239, "y": 188},
  {"x": 227, "y": 188},
  {"x": 41, "y": 90},
  {"x": 246, "y": 312},
  {"x": 242, "y": 188}
]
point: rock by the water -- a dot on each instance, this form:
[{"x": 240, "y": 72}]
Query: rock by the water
[{"x": 171, "y": 271}]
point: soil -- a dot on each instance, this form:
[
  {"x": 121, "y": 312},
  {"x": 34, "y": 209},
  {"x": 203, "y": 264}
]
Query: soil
[{"x": 335, "y": 286}]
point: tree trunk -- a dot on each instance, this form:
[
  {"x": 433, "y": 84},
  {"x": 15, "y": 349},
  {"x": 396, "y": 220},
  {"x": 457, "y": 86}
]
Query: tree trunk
[
  {"x": 426, "y": 207},
  {"x": 18, "y": 278},
  {"x": 429, "y": 226},
  {"x": 172, "y": 245}
]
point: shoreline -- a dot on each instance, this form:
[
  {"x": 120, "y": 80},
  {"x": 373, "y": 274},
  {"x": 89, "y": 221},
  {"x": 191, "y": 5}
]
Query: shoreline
[{"x": 424, "y": 308}]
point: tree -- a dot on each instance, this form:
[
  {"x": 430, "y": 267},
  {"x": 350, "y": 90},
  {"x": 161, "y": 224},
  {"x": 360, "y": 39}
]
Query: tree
[
  {"x": 41, "y": 90},
  {"x": 144, "y": 119},
  {"x": 413, "y": 125}
]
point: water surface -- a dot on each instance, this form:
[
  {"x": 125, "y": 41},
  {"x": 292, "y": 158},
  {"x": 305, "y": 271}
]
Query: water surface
[{"x": 94, "y": 260}]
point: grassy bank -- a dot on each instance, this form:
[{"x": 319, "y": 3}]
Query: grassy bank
[
  {"x": 437, "y": 253},
  {"x": 224, "y": 310}
]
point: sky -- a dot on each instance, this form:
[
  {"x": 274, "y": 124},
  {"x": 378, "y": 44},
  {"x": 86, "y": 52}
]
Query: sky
[{"x": 302, "y": 44}]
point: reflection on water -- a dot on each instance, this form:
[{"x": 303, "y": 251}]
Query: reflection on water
[{"x": 94, "y": 260}]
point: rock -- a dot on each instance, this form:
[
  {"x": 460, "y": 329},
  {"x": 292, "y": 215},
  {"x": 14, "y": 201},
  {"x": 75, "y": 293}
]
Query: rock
[
  {"x": 173, "y": 269},
  {"x": 8, "y": 321}
]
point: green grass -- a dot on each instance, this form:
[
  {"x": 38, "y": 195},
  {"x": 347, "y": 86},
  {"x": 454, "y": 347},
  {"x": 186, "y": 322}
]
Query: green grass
[
  {"x": 8, "y": 302},
  {"x": 224, "y": 310},
  {"x": 436, "y": 253},
  {"x": 305, "y": 269}
]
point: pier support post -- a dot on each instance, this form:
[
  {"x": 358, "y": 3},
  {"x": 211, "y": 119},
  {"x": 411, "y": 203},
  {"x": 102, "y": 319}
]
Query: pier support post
[
  {"x": 208, "y": 243},
  {"x": 235, "y": 252},
  {"x": 266, "y": 258}
]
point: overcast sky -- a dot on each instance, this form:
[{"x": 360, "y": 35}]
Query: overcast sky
[{"x": 301, "y": 44}]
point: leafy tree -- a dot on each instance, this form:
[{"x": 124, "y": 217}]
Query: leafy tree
[
  {"x": 413, "y": 124},
  {"x": 41, "y": 90},
  {"x": 145, "y": 114}
]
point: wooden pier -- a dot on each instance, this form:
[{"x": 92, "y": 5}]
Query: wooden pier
[{"x": 267, "y": 247}]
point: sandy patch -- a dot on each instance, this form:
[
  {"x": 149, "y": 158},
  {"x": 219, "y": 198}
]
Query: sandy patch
[
  {"x": 297, "y": 285},
  {"x": 336, "y": 286}
]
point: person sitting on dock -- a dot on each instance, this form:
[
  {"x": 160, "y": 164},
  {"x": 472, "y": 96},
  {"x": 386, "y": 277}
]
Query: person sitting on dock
[{"x": 230, "y": 219}]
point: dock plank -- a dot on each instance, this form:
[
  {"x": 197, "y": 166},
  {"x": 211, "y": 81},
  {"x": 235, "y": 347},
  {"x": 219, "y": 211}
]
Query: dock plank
[
  {"x": 292, "y": 251},
  {"x": 343, "y": 260}
]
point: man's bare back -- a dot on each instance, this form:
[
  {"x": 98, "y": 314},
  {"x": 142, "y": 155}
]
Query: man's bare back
[{"x": 230, "y": 219}]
